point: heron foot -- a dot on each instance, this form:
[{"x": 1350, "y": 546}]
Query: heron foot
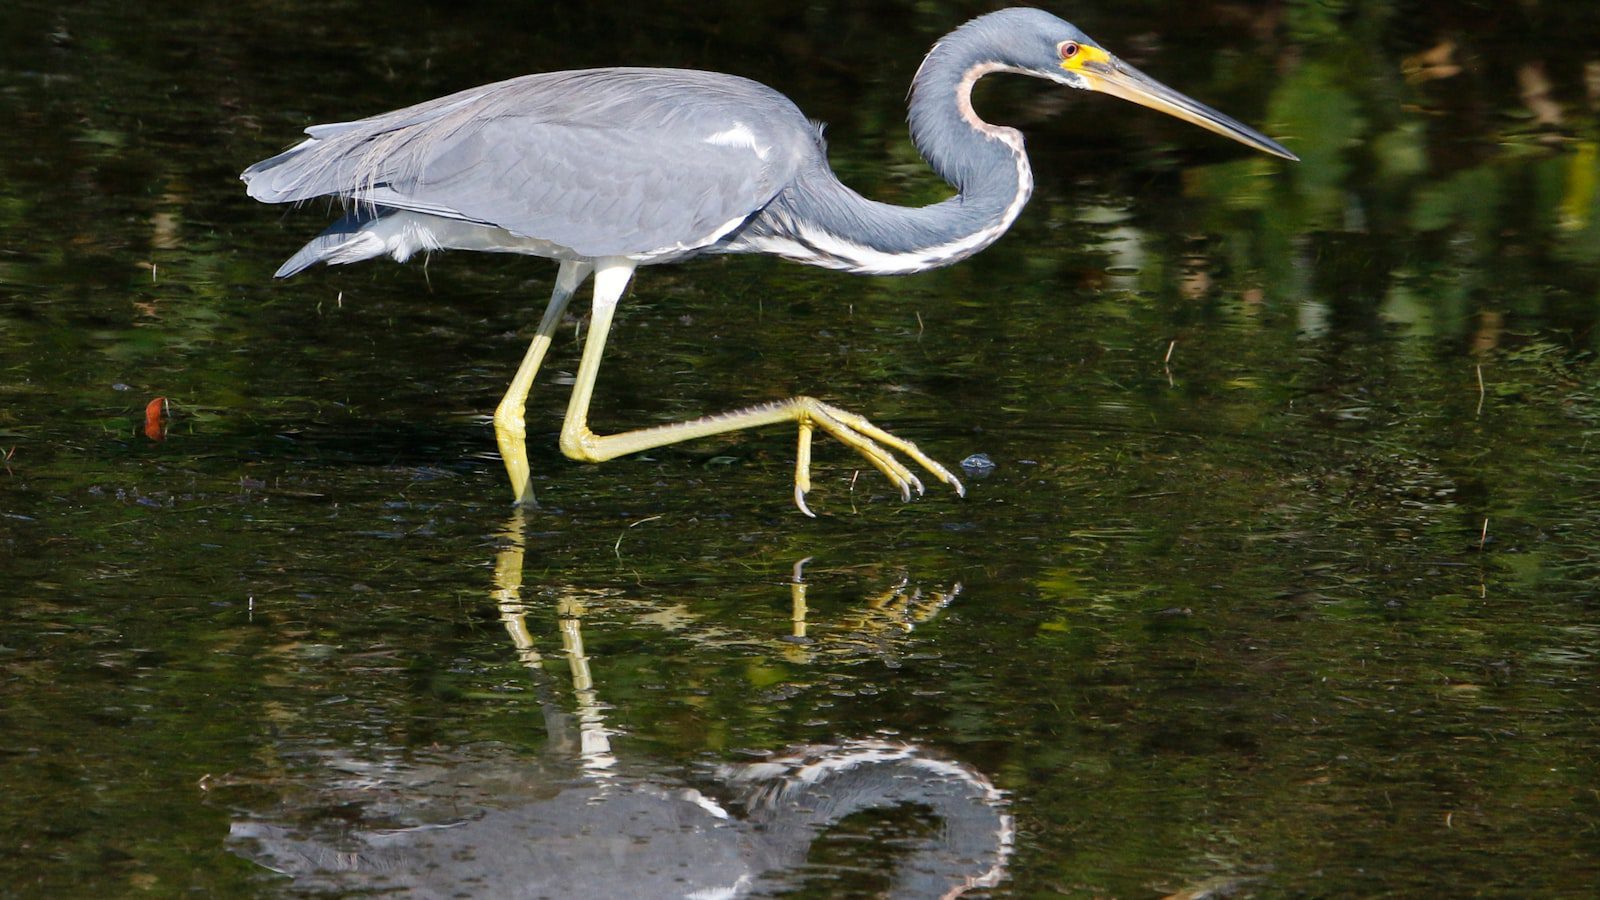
[
  {"x": 865, "y": 438},
  {"x": 510, "y": 434},
  {"x": 808, "y": 413}
]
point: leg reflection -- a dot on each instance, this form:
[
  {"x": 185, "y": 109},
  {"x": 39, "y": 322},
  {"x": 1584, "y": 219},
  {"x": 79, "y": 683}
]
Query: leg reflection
[{"x": 594, "y": 736}]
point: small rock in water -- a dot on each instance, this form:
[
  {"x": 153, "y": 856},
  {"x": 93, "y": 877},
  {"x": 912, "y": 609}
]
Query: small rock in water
[{"x": 978, "y": 465}]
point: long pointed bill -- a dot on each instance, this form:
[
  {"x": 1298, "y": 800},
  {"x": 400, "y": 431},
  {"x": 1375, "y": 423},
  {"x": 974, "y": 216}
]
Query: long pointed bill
[{"x": 1109, "y": 75}]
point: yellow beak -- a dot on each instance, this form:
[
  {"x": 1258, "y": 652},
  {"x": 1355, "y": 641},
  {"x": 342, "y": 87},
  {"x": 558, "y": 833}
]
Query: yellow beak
[{"x": 1109, "y": 75}]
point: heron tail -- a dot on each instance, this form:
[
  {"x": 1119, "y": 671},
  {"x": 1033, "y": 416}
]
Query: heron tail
[{"x": 348, "y": 240}]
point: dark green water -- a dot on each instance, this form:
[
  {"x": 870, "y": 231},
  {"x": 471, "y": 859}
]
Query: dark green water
[{"x": 1286, "y": 581}]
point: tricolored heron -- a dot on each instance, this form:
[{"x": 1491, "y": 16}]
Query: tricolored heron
[{"x": 606, "y": 170}]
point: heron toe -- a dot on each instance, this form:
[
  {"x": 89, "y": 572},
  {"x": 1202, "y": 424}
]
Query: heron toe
[{"x": 865, "y": 438}]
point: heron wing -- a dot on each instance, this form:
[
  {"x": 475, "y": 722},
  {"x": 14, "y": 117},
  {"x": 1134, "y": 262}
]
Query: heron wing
[{"x": 605, "y": 162}]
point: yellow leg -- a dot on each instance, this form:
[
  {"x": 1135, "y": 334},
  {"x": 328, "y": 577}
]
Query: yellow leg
[
  {"x": 580, "y": 443},
  {"x": 510, "y": 431}
]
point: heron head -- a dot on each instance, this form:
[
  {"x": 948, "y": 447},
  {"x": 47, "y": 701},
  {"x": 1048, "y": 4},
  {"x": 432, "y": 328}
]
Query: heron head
[{"x": 1046, "y": 47}]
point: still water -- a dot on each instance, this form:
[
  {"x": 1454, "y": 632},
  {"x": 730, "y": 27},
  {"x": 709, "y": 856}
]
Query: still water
[{"x": 1285, "y": 580}]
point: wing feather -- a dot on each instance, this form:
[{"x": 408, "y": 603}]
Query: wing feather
[{"x": 605, "y": 161}]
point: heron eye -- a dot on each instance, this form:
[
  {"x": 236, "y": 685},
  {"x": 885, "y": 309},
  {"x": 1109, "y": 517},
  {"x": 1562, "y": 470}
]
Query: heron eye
[{"x": 1069, "y": 49}]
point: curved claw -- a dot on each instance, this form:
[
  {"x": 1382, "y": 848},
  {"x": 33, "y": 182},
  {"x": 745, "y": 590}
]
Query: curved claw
[{"x": 800, "y": 501}]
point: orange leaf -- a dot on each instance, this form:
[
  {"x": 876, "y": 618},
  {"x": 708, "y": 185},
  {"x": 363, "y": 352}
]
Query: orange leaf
[{"x": 155, "y": 419}]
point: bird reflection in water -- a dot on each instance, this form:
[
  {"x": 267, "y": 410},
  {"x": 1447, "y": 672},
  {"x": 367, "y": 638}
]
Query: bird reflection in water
[{"x": 590, "y": 822}]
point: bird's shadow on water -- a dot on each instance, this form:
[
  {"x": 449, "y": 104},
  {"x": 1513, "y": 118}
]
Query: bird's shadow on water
[{"x": 586, "y": 815}]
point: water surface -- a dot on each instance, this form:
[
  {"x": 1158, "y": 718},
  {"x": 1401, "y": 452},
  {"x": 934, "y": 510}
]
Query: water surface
[{"x": 1283, "y": 582}]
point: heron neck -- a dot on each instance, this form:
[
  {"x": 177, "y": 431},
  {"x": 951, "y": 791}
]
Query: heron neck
[{"x": 823, "y": 222}]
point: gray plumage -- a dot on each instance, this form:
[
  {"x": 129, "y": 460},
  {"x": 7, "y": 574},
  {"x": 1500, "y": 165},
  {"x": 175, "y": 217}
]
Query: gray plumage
[
  {"x": 657, "y": 165},
  {"x": 661, "y": 164},
  {"x": 603, "y": 162}
]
